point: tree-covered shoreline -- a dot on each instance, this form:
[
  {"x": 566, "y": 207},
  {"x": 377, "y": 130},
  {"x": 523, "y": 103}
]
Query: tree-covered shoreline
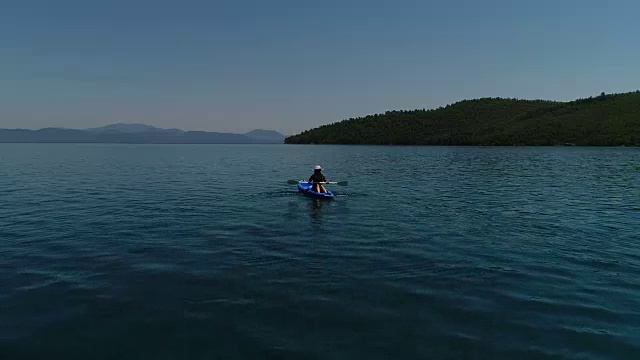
[{"x": 604, "y": 120}]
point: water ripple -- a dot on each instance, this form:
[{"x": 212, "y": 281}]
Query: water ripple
[{"x": 169, "y": 252}]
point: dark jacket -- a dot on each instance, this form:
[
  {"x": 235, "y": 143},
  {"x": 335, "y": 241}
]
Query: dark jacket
[{"x": 317, "y": 177}]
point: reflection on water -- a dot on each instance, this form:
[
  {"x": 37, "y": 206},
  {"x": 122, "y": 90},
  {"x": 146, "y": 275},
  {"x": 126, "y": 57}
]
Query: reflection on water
[{"x": 316, "y": 208}]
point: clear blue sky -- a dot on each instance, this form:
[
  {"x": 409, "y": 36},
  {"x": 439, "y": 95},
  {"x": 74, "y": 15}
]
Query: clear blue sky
[{"x": 292, "y": 65}]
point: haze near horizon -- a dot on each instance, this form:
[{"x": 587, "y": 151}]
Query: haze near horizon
[{"x": 292, "y": 65}]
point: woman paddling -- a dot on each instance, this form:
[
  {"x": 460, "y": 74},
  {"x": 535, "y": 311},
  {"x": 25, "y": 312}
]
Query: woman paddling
[{"x": 317, "y": 178}]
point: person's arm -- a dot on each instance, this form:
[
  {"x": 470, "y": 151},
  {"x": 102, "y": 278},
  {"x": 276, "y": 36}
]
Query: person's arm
[{"x": 310, "y": 179}]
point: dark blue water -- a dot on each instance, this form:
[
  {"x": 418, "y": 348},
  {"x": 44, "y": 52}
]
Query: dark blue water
[{"x": 204, "y": 252}]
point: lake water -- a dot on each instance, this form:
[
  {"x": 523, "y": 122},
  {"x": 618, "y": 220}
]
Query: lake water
[{"x": 205, "y": 252}]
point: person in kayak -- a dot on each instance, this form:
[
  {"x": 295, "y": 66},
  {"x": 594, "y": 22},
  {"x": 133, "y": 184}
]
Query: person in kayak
[{"x": 316, "y": 178}]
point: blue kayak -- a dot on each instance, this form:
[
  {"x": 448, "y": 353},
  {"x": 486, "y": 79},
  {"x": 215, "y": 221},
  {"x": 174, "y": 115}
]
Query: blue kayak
[{"x": 307, "y": 189}]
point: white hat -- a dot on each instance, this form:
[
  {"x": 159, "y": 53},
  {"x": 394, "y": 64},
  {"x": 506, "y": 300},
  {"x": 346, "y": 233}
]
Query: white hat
[{"x": 317, "y": 167}]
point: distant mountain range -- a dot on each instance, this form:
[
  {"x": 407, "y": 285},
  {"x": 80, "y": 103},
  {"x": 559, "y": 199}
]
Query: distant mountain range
[{"x": 137, "y": 134}]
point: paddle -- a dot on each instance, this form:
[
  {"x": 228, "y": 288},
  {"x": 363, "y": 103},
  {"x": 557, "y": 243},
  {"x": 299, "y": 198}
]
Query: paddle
[{"x": 340, "y": 183}]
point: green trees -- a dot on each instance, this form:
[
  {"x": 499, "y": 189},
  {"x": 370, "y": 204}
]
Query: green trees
[{"x": 603, "y": 120}]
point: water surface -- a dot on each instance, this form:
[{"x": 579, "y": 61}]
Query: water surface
[{"x": 204, "y": 252}]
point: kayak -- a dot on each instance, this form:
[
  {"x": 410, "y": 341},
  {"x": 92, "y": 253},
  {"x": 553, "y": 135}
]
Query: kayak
[{"x": 307, "y": 189}]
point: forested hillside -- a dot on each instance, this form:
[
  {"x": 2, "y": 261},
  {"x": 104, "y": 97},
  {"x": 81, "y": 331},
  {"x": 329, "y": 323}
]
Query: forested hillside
[{"x": 602, "y": 120}]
